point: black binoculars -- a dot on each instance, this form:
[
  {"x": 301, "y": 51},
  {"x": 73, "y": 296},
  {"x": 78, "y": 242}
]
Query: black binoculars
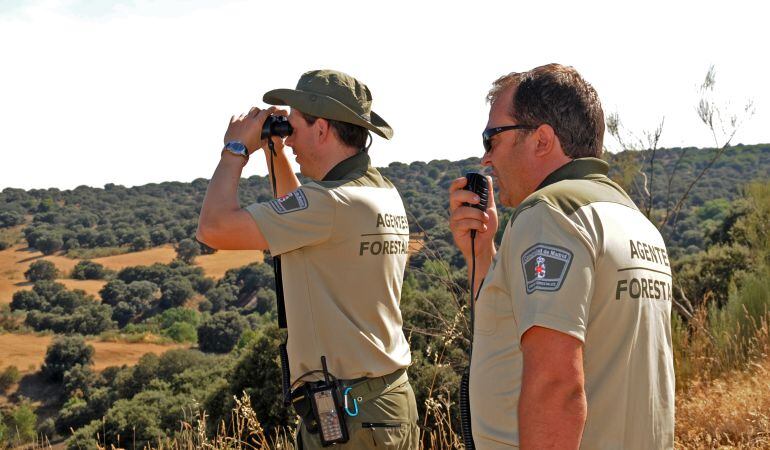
[{"x": 276, "y": 126}]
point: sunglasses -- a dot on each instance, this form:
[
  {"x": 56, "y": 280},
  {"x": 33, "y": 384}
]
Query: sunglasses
[{"x": 486, "y": 136}]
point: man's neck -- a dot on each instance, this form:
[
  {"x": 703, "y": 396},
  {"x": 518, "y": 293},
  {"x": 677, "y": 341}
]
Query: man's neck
[{"x": 336, "y": 155}]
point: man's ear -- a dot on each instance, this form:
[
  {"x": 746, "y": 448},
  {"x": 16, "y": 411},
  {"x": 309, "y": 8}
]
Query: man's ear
[
  {"x": 547, "y": 141},
  {"x": 322, "y": 129}
]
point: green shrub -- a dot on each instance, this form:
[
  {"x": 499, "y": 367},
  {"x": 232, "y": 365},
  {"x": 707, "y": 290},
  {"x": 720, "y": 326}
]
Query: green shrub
[
  {"x": 21, "y": 425},
  {"x": 3, "y": 430},
  {"x": 175, "y": 292},
  {"x": 221, "y": 332},
  {"x": 41, "y": 270},
  {"x": 10, "y": 218},
  {"x": 47, "y": 429},
  {"x": 29, "y": 301},
  {"x": 8, "y": 377},
  {"x": 89, "y": 270},
  {"x": 181, "y": 332},
  {"x": 187, "y": 250},
  {"x": 49, "y": 243},
  {"x": 65, "y": 353}
]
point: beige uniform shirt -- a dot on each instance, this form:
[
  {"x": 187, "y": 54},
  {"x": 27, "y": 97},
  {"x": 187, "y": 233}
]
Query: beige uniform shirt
[
  {"x": 578, "y": 257},
  {"x": 343, "y": 243}
]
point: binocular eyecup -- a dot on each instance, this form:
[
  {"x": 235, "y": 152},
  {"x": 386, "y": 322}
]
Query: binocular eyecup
[{"x": 276, "y": 126}]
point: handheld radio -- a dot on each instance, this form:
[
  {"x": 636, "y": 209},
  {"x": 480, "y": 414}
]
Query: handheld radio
[{"x": 477, "y": 183}]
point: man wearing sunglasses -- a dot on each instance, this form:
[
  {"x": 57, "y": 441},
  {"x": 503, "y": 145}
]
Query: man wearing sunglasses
[{"x": 572, "y": 342}]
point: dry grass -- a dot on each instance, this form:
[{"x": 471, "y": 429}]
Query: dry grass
[
  {"x": 27, "y": 351},
  {"x": 731, "y": 412},
  {"x": 15, "y": 260},
  {"x": 217, "y": 264},
  {"x": 163, "y": 255},
  {"x": 90, "y": 286}
]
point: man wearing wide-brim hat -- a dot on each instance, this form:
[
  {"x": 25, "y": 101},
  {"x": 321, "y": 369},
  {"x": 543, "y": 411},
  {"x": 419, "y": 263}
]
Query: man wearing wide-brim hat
[{"x": 343, "y": 241}]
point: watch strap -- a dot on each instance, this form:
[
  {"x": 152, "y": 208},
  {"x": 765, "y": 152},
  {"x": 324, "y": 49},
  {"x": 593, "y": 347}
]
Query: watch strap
[{"x": 237, "y": 148}]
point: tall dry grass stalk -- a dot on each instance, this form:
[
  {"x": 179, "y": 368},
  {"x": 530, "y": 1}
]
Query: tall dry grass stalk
[
  {"x": 722, "y": 369},
  {"x": 730, "y": 412}
]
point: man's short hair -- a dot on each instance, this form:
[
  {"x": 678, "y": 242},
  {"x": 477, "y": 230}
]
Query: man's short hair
[
  {"x": 558, "y": 96},
  {"x": 350, "y": 135}
]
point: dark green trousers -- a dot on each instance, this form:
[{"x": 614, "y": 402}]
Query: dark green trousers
[{"x": 387, "y": 420}]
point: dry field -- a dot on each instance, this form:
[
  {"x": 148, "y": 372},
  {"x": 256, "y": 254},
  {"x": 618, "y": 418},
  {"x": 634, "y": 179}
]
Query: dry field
[
  {"x": 217, "y": 264},
  {"x": 16, "y": 260},
  {"x": 91, "y": 286},
  {"x": 27, "y": 352},
  {"x": 163, "y": 255}
]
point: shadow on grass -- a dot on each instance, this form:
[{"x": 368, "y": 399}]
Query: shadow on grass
[{"x": 36, "y": 388}]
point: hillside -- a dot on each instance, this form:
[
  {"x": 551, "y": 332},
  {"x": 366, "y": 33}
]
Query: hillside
[{"x": 175, "y": 328}]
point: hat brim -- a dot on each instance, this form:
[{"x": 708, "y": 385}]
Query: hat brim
[{"x": 320, "y": 105}]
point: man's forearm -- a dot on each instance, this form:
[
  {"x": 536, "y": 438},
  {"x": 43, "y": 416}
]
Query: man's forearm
[
  {"x": 285, "y": 179},
  {"x": 222, "y": 193}
]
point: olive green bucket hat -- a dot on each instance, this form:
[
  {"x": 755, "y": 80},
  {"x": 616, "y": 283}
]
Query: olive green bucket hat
[{"x": 332, "y": 95}]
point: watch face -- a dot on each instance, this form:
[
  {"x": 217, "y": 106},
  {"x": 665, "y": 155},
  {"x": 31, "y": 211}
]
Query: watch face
[{"x": 236, "y": 147}]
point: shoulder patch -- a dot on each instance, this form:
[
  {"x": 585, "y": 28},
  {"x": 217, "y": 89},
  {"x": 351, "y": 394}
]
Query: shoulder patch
[
  {"x": 545, "y": 267},
  {"x": 293, "y": 201}
]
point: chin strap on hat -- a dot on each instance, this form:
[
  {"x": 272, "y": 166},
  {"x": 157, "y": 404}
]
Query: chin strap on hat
[{"x": 370, "y": 139}]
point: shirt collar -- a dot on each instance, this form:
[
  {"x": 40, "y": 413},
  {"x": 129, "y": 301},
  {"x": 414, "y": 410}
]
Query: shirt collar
[
  {"x": 359, "y": 162},
  {"x": 577, "y": 169}
]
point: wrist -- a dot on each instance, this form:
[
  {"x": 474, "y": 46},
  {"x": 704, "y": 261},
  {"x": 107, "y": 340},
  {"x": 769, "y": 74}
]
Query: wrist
[
  {"x": 237, "y": 148},
  {"x": 233, "y": 159},
  {"x": 482, "y": 253}
]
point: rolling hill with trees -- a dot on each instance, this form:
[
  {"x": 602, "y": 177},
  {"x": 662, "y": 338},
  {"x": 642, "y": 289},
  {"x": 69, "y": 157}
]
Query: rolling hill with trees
[{"x": 716, "y": 235}]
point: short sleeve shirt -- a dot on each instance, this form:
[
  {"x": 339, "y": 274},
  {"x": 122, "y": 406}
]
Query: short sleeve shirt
[
  {"x": 343, "y": 243},
  {"x": 578, "y": 257}
]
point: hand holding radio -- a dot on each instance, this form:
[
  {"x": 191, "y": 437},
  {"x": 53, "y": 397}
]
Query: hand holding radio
[{"x": 472, "y": 212}]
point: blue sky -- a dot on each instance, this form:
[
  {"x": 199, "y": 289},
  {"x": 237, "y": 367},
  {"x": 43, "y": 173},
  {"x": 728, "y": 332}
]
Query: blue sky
[{"x": 132, "y": 92}]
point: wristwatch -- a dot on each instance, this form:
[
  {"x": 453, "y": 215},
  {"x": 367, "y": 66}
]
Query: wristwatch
[{"x": 237, "y": 148}]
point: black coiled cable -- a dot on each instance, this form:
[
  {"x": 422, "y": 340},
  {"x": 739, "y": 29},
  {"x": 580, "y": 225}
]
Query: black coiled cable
[{"x": 465, "y": 402}]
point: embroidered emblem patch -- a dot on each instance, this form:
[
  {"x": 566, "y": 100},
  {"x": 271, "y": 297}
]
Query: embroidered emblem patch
[
  {"x": 293, "y": 201},
  {"x": 545, "y": 267}
]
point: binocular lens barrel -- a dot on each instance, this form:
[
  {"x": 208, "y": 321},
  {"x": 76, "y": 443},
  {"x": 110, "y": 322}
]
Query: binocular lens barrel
[{"x": 276, "y": 126}]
